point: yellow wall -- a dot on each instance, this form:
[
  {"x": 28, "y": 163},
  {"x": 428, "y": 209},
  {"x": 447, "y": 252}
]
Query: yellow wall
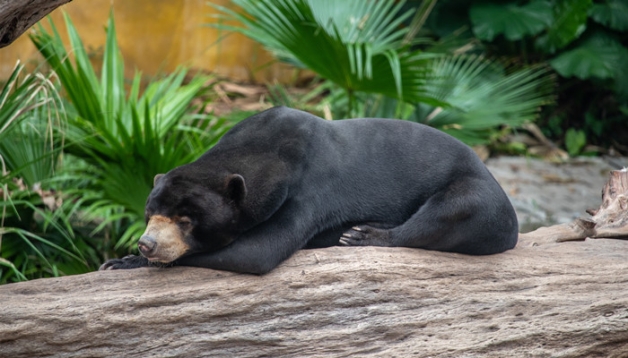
[{"x": 159, "y": 35}]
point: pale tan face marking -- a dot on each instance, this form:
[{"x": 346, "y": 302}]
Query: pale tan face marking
[{"x": 169, "y": 238}]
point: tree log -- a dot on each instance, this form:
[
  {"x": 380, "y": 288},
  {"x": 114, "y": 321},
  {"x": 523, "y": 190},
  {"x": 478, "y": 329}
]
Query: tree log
[
  {"x": 610, "y": 220},
  {"x": 540, "y": 299},
  {"x": 17, "y": 16}
]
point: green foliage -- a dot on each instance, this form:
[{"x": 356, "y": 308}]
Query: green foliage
[
  {"x": 598, "y": 56},
  {"x": 361, "y": 47},
  {"x": 17, "y": 99},
  {"x": 557, "y": 23},
  {"x": 482, "y": 96},
  {"x": 512, "y": 20},
  {"x": 35, "y": 238},
  {"x": 119, "y": 135},
  {"x": 583, "y": 41},
  {"x": 575, "y": 140},
  {"x": 365, "y": 49},
  {"x": 38, "y": 241},
  {"x": 560, "y": 24},
  {"x": 611, "y": 13},
  {"x": 568, "y": 23}
]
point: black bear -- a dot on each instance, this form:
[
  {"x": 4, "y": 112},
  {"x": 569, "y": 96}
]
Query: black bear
[{"x": 283, "y": 180}]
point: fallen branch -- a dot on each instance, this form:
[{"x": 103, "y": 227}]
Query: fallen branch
[
  {"x": 17, "y": 16},
  {"x": 610, "y": 220}
]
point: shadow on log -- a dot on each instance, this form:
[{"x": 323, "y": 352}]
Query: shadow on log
[
  {"x": 538, "y": 300},
  {"x": 17, "y": 16}
]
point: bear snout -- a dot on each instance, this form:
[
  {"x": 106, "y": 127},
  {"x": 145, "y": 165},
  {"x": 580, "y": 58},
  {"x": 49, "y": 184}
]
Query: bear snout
[{"x": 147, "y": 245}]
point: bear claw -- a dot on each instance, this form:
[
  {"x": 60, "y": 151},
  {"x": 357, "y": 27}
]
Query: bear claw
[
  {"x": 127, "y": 262},
  {"x": 365, "y": 236}
]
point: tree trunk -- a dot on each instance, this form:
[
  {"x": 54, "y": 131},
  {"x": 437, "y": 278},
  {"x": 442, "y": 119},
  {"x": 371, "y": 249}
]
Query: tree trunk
[
  {"x": 540, "y": 299},
  {"x": 17, "y": 16},
  {"x": 609, "y": 221}
]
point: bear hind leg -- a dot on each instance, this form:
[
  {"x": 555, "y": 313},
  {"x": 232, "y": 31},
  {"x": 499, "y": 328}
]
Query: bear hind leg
[
  {"x": 453, "y": 220},
  {"x": 424, "y": 230}
]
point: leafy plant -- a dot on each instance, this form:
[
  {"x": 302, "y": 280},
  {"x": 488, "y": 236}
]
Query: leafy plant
[
  {"x": 590, "y": 51},
  {"x": 598, "y": 56},
  {"x": 121, "y": 134},
  {"x": 583, "y": 41},
  {"x": 510, "y": 19},
  {"x": 364, "y": 49},
  {"x": 575, "y": 140},
  {"x": 482, "y": 96},
  {"x": 611, "y": 13},
  {"x": 361, "y": 47},
  {"x": 35, "y": 238}
]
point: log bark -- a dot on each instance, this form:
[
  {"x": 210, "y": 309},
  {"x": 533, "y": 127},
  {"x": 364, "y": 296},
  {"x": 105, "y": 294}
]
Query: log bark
[
  {"x": 610, "y": 220},
  {"x": 540, "y": 299},
  {"x": 17, "y": 16}
]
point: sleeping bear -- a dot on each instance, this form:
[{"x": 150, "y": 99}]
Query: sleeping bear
[{"x": 284, "y": 180}]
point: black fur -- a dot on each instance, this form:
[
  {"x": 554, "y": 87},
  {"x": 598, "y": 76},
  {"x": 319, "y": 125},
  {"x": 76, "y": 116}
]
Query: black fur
[{"x": 284, "y": 179}]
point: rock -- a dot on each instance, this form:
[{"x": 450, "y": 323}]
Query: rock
[{"x": 541, "y": 299}]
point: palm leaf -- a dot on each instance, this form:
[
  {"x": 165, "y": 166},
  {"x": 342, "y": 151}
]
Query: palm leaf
[
  {"x": 362, "y": 39},
  {"x": 123, "y": 136},
  {"x": 28, "y": 112},
  {"x": 483, "y": 96},
  {"x": 29, "y": 151},
  {"x": 359, "y": 46}
]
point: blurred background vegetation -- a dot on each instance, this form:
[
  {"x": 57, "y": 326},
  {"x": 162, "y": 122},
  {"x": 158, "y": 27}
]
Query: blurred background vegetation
[{"x": 87, "y": 122}]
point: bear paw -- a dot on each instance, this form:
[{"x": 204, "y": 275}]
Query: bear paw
[
  {"x": 365, "y": 235},
  {"x": 127, "y": 262}
]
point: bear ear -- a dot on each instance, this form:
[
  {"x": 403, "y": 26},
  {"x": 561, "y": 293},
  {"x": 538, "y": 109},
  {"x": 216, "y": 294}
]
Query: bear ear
[
  {"x": 156, "y": 179},
  {"x": 236, "y": 187}
]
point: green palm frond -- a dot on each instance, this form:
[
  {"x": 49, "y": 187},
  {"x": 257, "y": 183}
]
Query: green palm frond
[
  {"x": 34, "y": 240},
  {"x": 355, "y": 44},
  {"x": 15, "y": 97},
  {"x": 363, "y": 48},
  {"x": 28, "y": 112},
  {"x": 483, "y": 96},
  {"x": 123, "y": 132}
]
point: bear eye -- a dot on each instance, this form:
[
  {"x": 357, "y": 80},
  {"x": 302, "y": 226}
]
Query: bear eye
[{"x": 184, "y": 221}]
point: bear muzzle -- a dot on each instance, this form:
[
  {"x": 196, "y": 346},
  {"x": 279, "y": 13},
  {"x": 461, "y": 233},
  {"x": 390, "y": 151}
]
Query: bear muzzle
[{"x": 162, "y": 241}]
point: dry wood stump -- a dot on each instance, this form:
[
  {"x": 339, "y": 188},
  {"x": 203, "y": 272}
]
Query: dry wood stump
[{"x": 610, "y": 220}]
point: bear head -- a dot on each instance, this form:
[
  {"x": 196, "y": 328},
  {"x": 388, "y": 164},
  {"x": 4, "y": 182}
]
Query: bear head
[{"x": 187, "y": 214}]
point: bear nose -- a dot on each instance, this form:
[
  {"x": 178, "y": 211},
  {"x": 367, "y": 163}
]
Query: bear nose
[{"x": 147, "y": 245}]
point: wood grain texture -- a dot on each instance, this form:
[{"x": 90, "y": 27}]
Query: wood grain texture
[
  {"x": 541, "y": 299},
  {"x": 17, "y": 16},
  {"x": 610, "y": 220}
]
